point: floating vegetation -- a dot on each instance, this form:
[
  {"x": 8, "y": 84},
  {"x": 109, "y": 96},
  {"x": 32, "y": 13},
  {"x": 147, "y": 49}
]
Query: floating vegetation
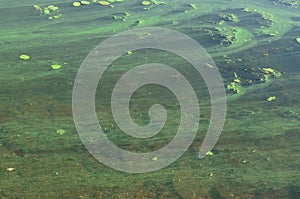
[
  {"x": 209, "y": 153},
  {"x": 287, "y": 3},
  {"x": 60, "y": 131},
  {"x": 267, "y": 19},
  {"x": 24, "y": 57},
  {"x": 146, "y": 3},
  {"x": 193, "y": 6},
  {"x": 76, "y": 4},
  {"x": 85, "y": 2},
  {"x": 55, "y": 66},
  {"x": 270, "y": 99},
  {"x": 269, "y": 33},
  {"x": 235, "y": 87},
  {"x": 246, "y": 10},
  {"x": 104, "y": 3},
  {"x": 155, "y": 2},
  {"x": 298, "y": 40},
  {"x": 270, "y": 73},
  {"x": 229, "y": 17},
  {"x": 154, "y": 158},
  {"x": 249, "y": 77},
  {"x": 10, "y": 169},
  {"x": 51, "y": 11},
  {"x": 121, "y": 16},
  {"x": 228, "y": 35}
]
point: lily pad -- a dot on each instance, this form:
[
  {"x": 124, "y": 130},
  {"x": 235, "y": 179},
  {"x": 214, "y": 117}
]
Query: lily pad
[
  {"x": 60, "y": 131},
  {"x": 104, "y": 3},
  {"x": 55, "y": 66},
  {"x": 270, "y": 99},
  {"x": 85, "y": 2},
  {"x": 193, "y": 6},
  {"x": 24, "y": 57},
  {"x": 76, "y": 4},
  {"x": 53, "y": 8},
  {"x": 146, "y": 3}
]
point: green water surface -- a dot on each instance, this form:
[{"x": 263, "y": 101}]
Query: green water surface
[{"x": 258, "y": 154}]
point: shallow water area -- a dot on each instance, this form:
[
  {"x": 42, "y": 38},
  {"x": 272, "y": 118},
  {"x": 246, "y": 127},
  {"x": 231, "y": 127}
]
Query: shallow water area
[{"x": 257, "y": 155}]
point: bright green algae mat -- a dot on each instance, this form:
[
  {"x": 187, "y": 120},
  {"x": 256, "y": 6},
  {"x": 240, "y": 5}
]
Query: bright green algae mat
[{"x": 257, "y": 155}]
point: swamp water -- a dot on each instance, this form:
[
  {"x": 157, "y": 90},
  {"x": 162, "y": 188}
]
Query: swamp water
[{"x": 258, "y": 153}]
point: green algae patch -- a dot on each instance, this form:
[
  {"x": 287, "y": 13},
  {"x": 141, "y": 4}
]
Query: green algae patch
[
  {"x": 272, "y": 72},
  {"x": 235, "y": 87},
  {"x": 24, "y": 57},
  {"x": 229, "y": 17},
  {"x": 56, "y": 66}
]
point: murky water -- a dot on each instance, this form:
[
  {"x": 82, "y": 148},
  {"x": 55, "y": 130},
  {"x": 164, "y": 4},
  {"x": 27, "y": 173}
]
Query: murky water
[{"x": 257, "y": 155}]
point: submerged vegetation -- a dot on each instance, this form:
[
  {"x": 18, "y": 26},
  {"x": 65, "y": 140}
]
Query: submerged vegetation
[{"x": 255, "y": 45}]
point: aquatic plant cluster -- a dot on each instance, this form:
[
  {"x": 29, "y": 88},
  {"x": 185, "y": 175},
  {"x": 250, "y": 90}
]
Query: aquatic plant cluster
[
  {"x": 225, "y": 30},
  {"x": 288, "y": 3},
  {"x": 50, "y": 11},
  {"x": 255, "y": 45}
]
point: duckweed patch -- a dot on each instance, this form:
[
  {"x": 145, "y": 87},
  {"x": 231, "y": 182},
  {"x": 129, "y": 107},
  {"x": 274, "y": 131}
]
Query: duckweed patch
[{"x": 50, "y": 11}]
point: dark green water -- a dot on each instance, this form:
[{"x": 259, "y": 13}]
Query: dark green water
[{"x": 257, "y": 155}]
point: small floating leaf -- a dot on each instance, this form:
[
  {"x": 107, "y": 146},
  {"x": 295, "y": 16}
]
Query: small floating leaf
[
  {"x": 193, "y": 6},
  {"x": 55, "y": 66},
  {"x": 104, "y": 3},
  {"x": 53, "y": 8},
  {"x": 85, "y": 2},
  {"x": 298, "y": 40},
  {"x": 154, "y": 158},
  {"x": 270, "y": 99},
  {"x": 60, "y": 131},
  {"x": 11, "y": 169},
  {"x": 37, "y": 7},
  {"x": 76, "y": 4},
  {"x": 145, "y": 3},
  {"x": 24, "y": 57},
  {"x": 209, "y": 153}
]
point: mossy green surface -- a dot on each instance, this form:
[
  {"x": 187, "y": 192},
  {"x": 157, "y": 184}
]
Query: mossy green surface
[{"x": 257, "y": 155}]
